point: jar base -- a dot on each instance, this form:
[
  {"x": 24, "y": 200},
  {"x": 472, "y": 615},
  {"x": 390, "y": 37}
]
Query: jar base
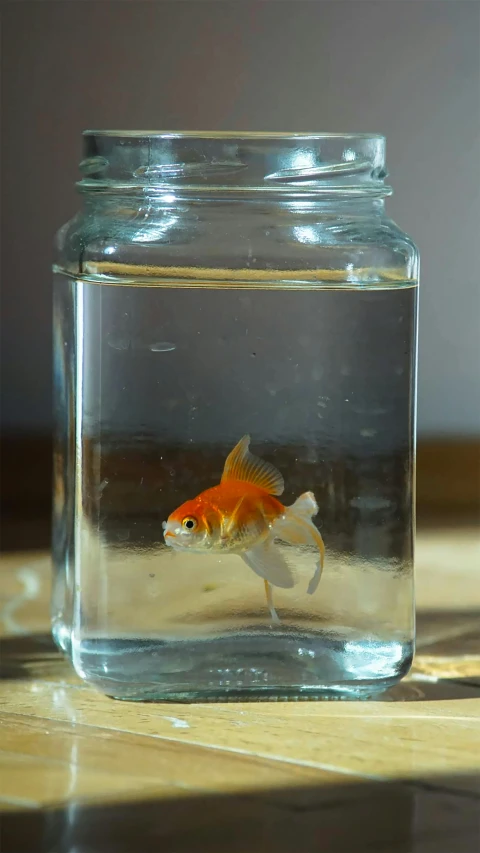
[
  {"x": 62, "y": 636},
  {"x": 243, "y": 667}
]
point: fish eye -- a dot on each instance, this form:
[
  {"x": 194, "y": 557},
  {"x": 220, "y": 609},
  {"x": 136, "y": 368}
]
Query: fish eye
[{"x": 189, "y": 523}]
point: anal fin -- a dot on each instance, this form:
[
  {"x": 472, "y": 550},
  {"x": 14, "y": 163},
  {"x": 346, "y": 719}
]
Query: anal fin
[{"x": 267, "y": 561}]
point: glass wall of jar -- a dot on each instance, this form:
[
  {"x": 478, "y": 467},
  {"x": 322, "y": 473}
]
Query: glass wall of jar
[{"x": 235, "y": 355}]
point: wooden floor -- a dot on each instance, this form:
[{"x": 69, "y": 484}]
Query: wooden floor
[{"x": 81, "y": 773}]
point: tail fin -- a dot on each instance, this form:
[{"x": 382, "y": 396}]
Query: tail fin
[
  {"x": 297, "y": 527},
  {"x": 305, "y": 506}
]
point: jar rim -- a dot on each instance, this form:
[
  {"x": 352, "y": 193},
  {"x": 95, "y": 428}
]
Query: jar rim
[
  {"x": 224, "y": 161},
  {"x": 230, "y": 134}
]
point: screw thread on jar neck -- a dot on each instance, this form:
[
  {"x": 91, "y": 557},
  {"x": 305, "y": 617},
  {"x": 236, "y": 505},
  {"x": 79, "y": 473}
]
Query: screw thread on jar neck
[{"x": 306, "y": 166}]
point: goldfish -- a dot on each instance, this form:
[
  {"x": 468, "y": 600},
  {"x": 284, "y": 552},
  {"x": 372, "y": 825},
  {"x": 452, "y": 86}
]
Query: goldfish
[{"x": 242, "y": 515}]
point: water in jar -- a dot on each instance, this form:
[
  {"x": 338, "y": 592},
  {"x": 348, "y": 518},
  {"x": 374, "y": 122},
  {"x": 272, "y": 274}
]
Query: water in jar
[{"x": 155, "y": 386}]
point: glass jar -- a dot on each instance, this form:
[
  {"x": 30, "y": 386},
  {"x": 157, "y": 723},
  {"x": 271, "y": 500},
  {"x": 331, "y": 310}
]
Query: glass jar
[{"x": 235, "y": 356}]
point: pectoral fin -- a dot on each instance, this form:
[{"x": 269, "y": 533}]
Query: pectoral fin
[
  {"x": 240, "y": 532},
  {"x": 269, "y": 596}
]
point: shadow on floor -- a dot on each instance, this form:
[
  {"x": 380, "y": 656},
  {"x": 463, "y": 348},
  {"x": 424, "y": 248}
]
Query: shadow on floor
[
  {"x": 398, "y": 817},
  {"x": 21, "y": 655}
]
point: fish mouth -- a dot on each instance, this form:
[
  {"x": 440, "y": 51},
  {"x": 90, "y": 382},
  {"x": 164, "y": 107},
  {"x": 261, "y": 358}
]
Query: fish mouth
[{"x": 170, "y": 534}]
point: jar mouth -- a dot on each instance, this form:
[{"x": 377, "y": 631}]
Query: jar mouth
[
  {"x": 245, "y": 162},
  {"x": 228, "y": 134}
]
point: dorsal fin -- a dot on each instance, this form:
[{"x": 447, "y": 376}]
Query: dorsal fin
[{"x": 243, "y": 465}]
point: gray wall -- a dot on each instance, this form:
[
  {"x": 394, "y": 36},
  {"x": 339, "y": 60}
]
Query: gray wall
[{"x": 407, "y": 69}]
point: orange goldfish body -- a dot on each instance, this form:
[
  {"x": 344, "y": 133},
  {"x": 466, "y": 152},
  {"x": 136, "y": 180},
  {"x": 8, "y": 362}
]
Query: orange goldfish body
[{"x": 242, "y": 515}]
